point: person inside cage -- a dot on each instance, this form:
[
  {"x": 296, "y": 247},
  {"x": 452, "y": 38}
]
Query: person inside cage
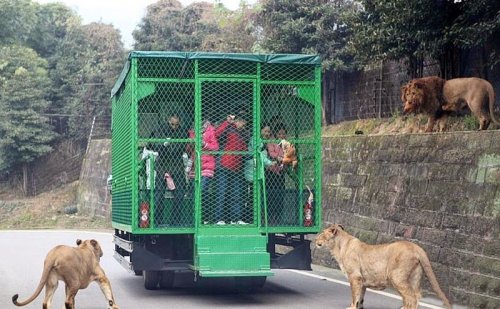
[
  {"x": 170, "y": 181},
  {"x": 230, "y": 176},
  {"x": 250, "y": 166},
  {"x": 275, "y": 176},
  {"x": 208, "y": 143}
]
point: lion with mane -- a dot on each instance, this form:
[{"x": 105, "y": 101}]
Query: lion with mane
[
  {"x": 425, "y": 95},
  {"x": 437, "y": 98}
]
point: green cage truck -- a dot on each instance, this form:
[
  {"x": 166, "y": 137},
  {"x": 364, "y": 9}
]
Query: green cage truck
[{"x": 216, "y": 164}]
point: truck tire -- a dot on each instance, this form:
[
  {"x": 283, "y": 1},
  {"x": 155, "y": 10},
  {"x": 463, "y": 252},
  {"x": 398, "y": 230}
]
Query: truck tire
[
  {"x": 151, "y": 279},
  {"x": 258, "y": 281},
  {"x": 167, "y": 279},
  {"x": 249, "y": 283}
]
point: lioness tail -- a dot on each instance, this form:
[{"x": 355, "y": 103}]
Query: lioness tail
[
  {"x": 491, "y": 103},
  {"x": 426, "y": 265},
  {"x": 47, "y": 267}
]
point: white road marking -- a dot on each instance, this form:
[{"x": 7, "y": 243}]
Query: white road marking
[
  {"x": 58, "y": 231},
  {"x": 373, "y": 291}
]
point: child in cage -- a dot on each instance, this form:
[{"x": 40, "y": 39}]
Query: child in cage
[
  {"x": 250, "y": 167},
  {"x": 275, "y": 176}
]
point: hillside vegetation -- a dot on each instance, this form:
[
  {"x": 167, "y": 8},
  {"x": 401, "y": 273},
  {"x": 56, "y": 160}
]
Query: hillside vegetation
[{"x": 54, "y": 209}]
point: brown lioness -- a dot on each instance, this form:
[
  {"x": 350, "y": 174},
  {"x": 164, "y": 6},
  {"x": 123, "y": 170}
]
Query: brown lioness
[
  {"x": 476, "y": 93},
  {"x": 77, "y": 267},
  {"x": 398, "y": 264}
]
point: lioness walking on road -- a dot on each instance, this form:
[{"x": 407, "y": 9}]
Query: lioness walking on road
[
  {"x": 399, "y": 264},
  {"x": 77, "y": 267}
]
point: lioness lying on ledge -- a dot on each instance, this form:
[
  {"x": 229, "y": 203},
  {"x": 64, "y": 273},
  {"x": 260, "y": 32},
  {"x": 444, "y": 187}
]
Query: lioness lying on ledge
[
  {"x": 77, "y": 267},
  {"x": 398, "y": 264}
]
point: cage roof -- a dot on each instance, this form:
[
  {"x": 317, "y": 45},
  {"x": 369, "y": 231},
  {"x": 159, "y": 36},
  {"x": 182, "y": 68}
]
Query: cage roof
[{"x": 260, "y": 58}]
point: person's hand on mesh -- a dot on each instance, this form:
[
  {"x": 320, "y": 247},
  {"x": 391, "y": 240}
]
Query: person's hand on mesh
[{"x": 230, "y": 118}]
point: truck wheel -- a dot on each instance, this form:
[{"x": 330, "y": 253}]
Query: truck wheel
[
  {"x": 151, "y": 279},
  {"x": 167, "y": 279},
  {"x": 138, "y": 272},
  {"x": 249, "y": 283},
  {"x": 258, "y": 281}
]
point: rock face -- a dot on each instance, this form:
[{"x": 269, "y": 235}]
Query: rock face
[
  {"x": 94, "y": 198},
  {"x": 441, "y": 191}
]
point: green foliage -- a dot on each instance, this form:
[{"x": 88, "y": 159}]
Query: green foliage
[
  {"x": 200, "y": 26},
  {"x": 396, "y": 29},
  {"x": 316, "y": 27},
  {"x": 477, "y": 24},
  {"x": 423, "y": 29},
  {"x": 50, "y": 28},
  {"x": 17, "y": 21},
  {"x": 471, "y": 123},
  {"x": 98, "y": 54},
  {"x": 167, "y": 26},
  {"x": 51, "y": 64},
  {"x": 25, "y": 132}
]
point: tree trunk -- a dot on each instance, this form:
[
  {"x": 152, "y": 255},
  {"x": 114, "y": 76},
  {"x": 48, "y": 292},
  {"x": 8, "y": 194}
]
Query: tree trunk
[{"x": 25, "y": 179}]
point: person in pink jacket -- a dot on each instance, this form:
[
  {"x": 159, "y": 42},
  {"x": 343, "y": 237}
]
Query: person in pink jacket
[{"x": 208, "y": 143}]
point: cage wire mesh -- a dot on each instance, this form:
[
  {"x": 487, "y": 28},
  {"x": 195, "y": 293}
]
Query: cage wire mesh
[{"x": 209, "y": 143}]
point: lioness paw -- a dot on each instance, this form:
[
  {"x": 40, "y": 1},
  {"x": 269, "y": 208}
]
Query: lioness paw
[{"x": 112, "y": 305}]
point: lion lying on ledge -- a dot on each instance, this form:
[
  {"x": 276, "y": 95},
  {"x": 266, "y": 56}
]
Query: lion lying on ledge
[
  {"x": 77, "y": 267},
  {"x": 399, "y": 264}
]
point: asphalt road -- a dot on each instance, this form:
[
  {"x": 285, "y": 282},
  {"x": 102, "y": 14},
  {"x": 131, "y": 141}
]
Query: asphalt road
[{"x": 23, "y": 252}]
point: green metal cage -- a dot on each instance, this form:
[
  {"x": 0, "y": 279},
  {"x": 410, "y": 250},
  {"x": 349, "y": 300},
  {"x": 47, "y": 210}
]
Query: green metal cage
[{"x": 198, "y": 147}]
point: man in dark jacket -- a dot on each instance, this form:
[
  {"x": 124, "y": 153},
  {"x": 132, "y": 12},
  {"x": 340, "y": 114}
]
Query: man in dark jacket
[{"x": 170, "y": 178}]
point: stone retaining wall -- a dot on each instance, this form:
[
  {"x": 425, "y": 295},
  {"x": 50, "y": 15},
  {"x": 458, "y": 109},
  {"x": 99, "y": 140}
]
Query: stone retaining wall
[{"x": 441, "y": 191}]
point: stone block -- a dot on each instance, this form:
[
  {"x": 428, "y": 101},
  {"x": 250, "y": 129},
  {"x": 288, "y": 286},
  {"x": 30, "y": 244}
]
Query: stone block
[
  {"x": 418, "y": 171},
  {"x": 441, "y": 172},
  {"x": 426, "y": 202},
  {"x": 457, "y": 259},
  {"x": 344, "y": 194},
  {"x": 483, "y": 302},
  {"x": 417, "y": 187},
  {"x": 433, "y": 251},
  {"x": 460, "y": 278},
  {"x": 466, "y": 242},
  {"x": 348, "y": 168},
  {"x": 496, "y": 205},
  {"x": 423, "y": 218},
  {"x": 457, "y": 156},
  {"x": 491, "y": 247},
  {"x": 433, "y": 236},
  {"x": 452, "y": 221},
  {"x": 492, "y": 175},
  {"x": 366, "y": 236},
  {"x": 487, "y": 265},
  {"x": 352, "y": 180},
  {"x": 481, "y": 226},
  {"x": 459, "y": 296},
  {"x": 485, "y": 285}
]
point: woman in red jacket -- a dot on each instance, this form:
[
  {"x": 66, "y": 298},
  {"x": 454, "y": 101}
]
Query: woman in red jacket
[
  {"x": 208, "y": 143},
  {"x": 231, "y": 169}
]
